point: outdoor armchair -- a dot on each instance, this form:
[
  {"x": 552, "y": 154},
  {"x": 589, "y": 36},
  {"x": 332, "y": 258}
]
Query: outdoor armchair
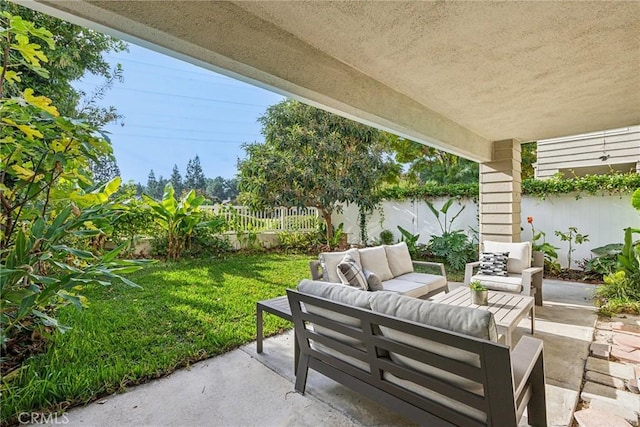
[{"x": 523, "y": 274}]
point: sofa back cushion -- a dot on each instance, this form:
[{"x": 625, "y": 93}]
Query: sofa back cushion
[
  {"x": 375, "y": 259},
  {"x": 399, "y": 259},
  {"x": 464, "y": 320},
  {"x": 343, "y": 294},
  {"x": 519, "y": 254},
  {"x": 329, "y": 262}
]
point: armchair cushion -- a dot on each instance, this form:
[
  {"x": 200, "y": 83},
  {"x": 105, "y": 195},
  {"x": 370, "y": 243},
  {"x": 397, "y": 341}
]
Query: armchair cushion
[
  {"x": 351, "y": 274},
  {"x": 519, "y": 254},
  {"x": 494, "y": 263},
  {"x": 510, "y": 283},
  {"x": 399, "y": 259}
]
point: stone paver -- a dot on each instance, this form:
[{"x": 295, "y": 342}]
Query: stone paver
[
  {"x": 596, "y": 418},
  {"x": 626, "y": 340},
  {"x": 611, "y": 395},
  {"x": 605, "y": 379},
  {"x": 628, "y": 354},
  {"x": 630, "y": 416},
  {"x": 601, "y": 350},
  {"x": 614, "y": 369}
]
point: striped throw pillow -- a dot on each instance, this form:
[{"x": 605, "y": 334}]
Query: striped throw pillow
[
  {"x": 494, "y": 263},
  {"x": 350, "y": 273}
]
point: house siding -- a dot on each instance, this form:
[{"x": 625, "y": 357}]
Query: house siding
[{"x": 581, "y": 154}]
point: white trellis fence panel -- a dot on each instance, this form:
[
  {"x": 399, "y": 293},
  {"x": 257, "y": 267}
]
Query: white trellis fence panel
[{"x": 242, "y": 218}]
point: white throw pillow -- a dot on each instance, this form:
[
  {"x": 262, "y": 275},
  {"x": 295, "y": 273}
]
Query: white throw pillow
[
  {"x": 399, "y": 259},
  {"x": 375, "y": 260},
  {"x": 519, "y": 254}
]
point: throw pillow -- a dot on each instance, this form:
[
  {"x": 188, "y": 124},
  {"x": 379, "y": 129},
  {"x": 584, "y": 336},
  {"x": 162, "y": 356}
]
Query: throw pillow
[
  {"x": 351, "y": 274},
  {"x": 519, "y": 254},
  {"x": 373, "y": 281},
  {"x": 494, "y": 263}
]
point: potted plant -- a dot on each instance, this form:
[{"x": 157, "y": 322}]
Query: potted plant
[{"x": 479, "y": 294}]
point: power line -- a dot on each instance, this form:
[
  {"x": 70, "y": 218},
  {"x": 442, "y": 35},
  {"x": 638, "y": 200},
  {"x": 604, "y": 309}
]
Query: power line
[
  {"x": 192, "y": 130},
  {"x": 212, "y": 74},
  {"x": 178, "y": 138},
  {"x": 177, "y": 118},
  {"x": 219, "y": 101}
]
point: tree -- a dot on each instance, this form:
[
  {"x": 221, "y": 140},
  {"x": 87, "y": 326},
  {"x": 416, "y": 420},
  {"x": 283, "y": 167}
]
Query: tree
[
  {"x": 311, "y": 157},
  {"x": 430, "y": 164},
  {"x": 221, "y": 189},
  {"x": 83, "y": 52},
  {"x": 529, "y": 157},
  {"x": 215, "y": 189},
  {"x": 194, "y": 178},
  {"x": 49, "y": 203},
  {"x": 152, "y": 185},
  {"x": 176, "y": 180},
  {"x": 105, "y": 169}
]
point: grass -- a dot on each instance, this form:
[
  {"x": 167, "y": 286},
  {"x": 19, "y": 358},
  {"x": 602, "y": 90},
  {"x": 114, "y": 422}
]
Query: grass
[{"x": 185, "y": 312}]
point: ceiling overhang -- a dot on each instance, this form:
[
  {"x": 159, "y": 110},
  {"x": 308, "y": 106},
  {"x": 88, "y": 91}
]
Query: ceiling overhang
[{"x": 454, "y": 75}]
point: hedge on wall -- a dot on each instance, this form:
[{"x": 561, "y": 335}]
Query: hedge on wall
[{"x": 590, "y": 184}]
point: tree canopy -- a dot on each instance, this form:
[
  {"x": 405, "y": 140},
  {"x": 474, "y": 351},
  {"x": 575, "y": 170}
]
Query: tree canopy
[
  {"x": 194, "y": 178},
  {"x": 311, "y": 157},
  {"x": 428, "y": 164}
]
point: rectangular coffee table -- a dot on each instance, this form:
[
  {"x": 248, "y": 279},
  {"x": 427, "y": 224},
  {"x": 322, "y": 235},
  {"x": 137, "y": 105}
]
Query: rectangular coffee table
[{"x": 507, "y": 309}]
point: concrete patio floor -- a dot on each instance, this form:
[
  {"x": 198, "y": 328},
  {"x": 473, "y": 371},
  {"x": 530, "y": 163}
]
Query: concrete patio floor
[{"x": 243, "y": 388}]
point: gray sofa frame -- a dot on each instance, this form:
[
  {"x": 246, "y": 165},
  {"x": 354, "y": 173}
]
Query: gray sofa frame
[{"x": 511, "y": 380}]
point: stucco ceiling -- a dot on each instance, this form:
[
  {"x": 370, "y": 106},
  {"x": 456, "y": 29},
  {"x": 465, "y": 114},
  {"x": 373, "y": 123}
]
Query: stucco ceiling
[{"x": 456, "y": 75}]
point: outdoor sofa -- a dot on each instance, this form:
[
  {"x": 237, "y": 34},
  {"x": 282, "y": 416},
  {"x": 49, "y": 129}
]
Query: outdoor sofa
[
  {"x": 391, "y": 264},
  {"x": 433, "y": 363}
]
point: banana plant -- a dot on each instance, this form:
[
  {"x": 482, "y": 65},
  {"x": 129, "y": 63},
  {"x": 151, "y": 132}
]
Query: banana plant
[
  {"x": 178, "y": 218},
  {"x": 629, "y": 257}
]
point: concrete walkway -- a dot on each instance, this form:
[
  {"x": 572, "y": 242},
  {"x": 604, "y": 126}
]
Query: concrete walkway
[{"x": 242, "y": 388}]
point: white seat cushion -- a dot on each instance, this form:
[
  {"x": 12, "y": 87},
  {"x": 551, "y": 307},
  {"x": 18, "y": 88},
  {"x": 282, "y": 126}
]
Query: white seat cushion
[
  {"x": 399, "y": 259},
  {"x": 415, "y": 284},
  {"x": 510, "y": 283},
  {"x": 519, "y": 254},
  {"x": 375, "y": 259}
]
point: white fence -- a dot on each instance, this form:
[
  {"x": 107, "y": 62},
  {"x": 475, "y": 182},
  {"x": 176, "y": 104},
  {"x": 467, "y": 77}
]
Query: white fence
[
  {"x": 241, "y": 218},
  {"x": 603, "y": 218}
]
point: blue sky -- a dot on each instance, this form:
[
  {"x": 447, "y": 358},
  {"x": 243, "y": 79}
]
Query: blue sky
[{"x": 174, "y": 110}]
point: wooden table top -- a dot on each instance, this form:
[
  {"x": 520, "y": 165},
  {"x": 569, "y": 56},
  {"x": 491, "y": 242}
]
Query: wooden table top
[{"x": 506, "y": 308}]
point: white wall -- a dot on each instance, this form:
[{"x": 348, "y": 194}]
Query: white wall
[
  {"x": 415, "y": 217},
  {"x": 603, "y": 218},
  {"x": 581, "y": 153}
]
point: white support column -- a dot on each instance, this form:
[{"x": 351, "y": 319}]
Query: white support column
[{"x": 501, "y": 193}]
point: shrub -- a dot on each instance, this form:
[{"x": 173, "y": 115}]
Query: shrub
[
  {"x": 300, "y": 240},
  {"x": 386, "y": 237},
  {"x": 205, "y": 242},
  {"x": 455, "y": 248},
  {"x": 619, "y": 293}
]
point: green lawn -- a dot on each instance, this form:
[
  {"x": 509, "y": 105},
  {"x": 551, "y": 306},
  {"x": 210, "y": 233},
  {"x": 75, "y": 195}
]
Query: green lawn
[{"x": 186, "y": 311}]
